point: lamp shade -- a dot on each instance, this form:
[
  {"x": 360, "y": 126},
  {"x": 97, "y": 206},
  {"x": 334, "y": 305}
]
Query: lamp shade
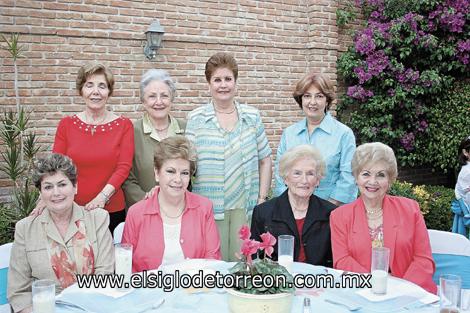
[{"x": 154, "y": 35}]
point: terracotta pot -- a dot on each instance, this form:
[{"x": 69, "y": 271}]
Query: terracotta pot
[{"x": 240, "y": 302}]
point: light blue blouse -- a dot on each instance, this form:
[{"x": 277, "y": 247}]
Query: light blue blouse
[{"x": 337, "y": 144}]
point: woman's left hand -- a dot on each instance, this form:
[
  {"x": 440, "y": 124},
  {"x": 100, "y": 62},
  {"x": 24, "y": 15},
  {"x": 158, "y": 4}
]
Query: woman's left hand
[{"x": 97, "y": 203}]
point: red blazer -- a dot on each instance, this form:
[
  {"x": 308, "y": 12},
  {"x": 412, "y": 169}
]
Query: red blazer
[
  {"x": 199, "y": 236},
  {"x": 405, "y": 234}
]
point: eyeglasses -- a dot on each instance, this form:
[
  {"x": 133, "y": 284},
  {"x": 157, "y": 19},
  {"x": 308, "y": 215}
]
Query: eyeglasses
[
  {"x": 296, "y": 175},
  {"x": 154, "y": 97},
  {"x": 319, "y": 97}
]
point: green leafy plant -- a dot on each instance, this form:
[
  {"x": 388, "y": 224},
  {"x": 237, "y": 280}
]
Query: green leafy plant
[
  {"x": 345, "y": 15},
  {"x": 249, "y": 268},
  {"x": 407, "y": 59},
  {"x": 448, "y": 125},
  {"x": 16, "y": 51},
  {"x": 434, "y": 202},
  {"x": 20, "y": 149},
  {"x": 18, "y": 168}
]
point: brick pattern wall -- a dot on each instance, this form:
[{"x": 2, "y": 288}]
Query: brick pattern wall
[{"x": 274, "y": 42}]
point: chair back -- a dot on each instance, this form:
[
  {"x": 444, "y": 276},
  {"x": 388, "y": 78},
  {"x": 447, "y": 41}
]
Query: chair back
[
  {"x": 5, "y": 251},
  {"x": 451, "y": 253},
  {"x": 117, "y": 233}
]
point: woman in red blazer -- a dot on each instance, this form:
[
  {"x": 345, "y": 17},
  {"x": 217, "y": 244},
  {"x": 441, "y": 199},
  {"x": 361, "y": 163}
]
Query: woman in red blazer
[
  {"x": 173, "y": 224},
  {"x": 376, "y": 219}
]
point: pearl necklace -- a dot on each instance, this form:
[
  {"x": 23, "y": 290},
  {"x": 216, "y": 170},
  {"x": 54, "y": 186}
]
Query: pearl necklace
[
  {"x": 222, "y": 112},
  {"x": 297, "y": 210},
  {"x": 373, "y": 211}
]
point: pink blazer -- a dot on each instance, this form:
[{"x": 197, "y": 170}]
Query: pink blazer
[
  {"x": 405, "y": 234},
  {"x": 199, "y": 236}
]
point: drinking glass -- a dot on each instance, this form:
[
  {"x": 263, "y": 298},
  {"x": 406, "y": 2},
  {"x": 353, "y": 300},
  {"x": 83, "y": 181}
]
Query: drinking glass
[
  {"x": 285, "y": 251},
  {"x": 43, "y": 296},
  {"x": 123, "y": 259},
  {"x": 449, "y": 293},
  {"x": 379, "y": 269}
]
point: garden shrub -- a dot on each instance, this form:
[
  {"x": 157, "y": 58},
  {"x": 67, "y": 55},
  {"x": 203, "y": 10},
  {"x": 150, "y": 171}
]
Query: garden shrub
[
  {"x": 434, "y": 202},
  {"x": 401, "y": 71},
  {"x": 449, "y": 124}
]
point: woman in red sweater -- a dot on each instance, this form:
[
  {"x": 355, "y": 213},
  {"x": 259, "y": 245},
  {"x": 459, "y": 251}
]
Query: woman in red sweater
[{"x": 100, "y": 143}]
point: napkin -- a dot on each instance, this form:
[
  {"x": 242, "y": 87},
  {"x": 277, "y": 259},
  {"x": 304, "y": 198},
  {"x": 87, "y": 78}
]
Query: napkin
[
  {"x": 133, "y": 301},
  {"x": 108, "y": 291},
  {"x": 397, "y": 288}
]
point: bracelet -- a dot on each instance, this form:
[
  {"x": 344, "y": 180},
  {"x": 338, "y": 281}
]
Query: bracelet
[
  {"x": 263, "y": 198},
  {"x": 106, "y": 197}
]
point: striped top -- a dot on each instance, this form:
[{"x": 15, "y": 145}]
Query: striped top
[{"x": 228, "y": 162}]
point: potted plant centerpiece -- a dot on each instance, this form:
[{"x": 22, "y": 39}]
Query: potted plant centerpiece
[{"x": 264, "y": 285}]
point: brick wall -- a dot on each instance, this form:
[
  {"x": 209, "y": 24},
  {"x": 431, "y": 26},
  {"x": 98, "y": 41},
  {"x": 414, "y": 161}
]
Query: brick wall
[{"x": 274, "y": 42}]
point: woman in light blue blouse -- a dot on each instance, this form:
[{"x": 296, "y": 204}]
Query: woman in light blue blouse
[{"x": 314, "y": 94}]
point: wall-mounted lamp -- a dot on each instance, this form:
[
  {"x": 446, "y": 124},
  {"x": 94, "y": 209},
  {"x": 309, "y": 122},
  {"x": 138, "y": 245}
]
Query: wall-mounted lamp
[{"x": 154, "y": 39}]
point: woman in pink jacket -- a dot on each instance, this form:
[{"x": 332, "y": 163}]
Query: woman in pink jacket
[
  {"x": 376, "y": 219},
  {"x": 173, "y": 224}
]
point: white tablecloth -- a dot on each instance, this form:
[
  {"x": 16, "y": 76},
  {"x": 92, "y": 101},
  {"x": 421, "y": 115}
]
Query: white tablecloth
[{"x": 208, "y": 301}]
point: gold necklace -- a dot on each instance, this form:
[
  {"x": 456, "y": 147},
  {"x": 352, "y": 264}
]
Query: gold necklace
[
  {"x": 173, "y": 217},
  {"x": 95, "y": 123},
  {"x": 162, "y": 129},
  {"x": 169, "y": 216},
  {"x": 222, "y": 112}
]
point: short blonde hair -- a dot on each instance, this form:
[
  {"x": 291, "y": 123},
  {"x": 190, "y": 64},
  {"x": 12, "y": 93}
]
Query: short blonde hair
[
  {"x": 372, "y": 153},
  {"x": 174, "y": 147},
  {"x": 91, "y": 69},
  {"x": 299, "y": 152}
]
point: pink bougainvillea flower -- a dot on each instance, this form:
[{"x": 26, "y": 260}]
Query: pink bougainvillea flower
[{"x": 268, "y": 241}]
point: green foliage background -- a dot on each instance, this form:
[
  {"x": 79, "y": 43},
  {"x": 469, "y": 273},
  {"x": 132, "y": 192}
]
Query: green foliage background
[
  {"x": 449, "y": 124},
  {"x": 434, "y": 202},
  {"x": 408, "y": 79}
]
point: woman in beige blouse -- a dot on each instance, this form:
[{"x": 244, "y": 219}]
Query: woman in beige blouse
[{"x": 63, "y": 241}]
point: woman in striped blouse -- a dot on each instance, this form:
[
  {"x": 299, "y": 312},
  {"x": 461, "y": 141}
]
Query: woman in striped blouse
[{"x": 233, "y": 154}]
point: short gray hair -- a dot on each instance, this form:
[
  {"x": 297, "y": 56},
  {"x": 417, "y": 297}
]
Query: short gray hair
[
  {"x": 372, "y": 153},
  {"x": 299, "y": 152},
  {"x": 51, "y": 164},
  {"x": 157, "y": 75}
]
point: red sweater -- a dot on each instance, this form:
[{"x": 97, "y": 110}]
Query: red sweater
[{"x": 103, "y": 155}]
